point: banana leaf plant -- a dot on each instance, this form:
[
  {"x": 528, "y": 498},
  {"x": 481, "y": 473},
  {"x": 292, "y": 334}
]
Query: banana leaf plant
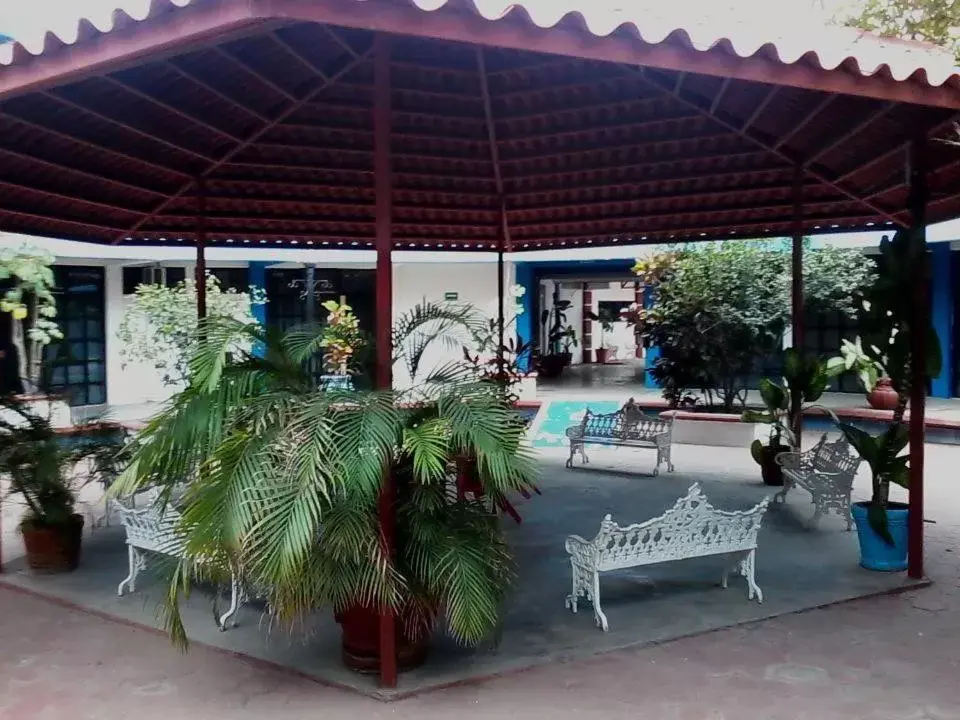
[
  {"x": 804, "y": 381},
  {"x": 884, "y": 350},
  {"x": 285, "y": 481}
]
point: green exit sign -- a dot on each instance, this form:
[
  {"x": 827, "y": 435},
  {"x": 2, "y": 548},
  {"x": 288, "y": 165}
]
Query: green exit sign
[{"x": 451, "y": 296}]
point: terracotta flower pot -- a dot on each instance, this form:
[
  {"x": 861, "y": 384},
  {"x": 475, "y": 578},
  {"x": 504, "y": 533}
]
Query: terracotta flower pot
[
  {"x": 360, "y": 649},
  {"x": 883, "y": 396},
  {"x": 603, "y": 354},
  {"x": 53, "y": 548}
]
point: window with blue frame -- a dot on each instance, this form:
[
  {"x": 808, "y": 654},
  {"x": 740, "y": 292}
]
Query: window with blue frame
[{"x": 77, "y": 366}]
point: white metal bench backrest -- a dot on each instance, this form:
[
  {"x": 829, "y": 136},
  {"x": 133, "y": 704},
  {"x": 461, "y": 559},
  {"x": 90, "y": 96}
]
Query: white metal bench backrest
[
  {"x": 835, "y": 459},
  {"x": 628, "y": 423},
  {"x": 152, "y": 527},
  {"x": 691, "y": 528}
]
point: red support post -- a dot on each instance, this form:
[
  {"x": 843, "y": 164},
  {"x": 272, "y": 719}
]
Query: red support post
[
  {"x": 587, "y": 324},
  {"x": 200, "y": 272},
  {"x": 384, "y": 316},
  {"x": 919, "y": 196},
  {"x": 797, "y": 319}
]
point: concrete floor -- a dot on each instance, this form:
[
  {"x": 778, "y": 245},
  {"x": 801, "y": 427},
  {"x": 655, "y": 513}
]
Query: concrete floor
[{"x": 798, "y": 568}]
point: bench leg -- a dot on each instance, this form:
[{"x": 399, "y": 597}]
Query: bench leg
[
  {"x": 235, "y": 593},
  {"x": 817, "y": 514},
  {"x": 137, "y": 562},
  {"x": 781, "y": 497},
  {"x": 748, "y": 570},
  {"x": 576, "y": 589},
  {"x": 598, "y": 614}
]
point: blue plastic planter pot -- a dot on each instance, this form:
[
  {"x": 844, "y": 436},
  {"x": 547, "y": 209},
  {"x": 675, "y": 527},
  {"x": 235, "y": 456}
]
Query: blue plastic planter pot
[{"x": 875, "y": 554}]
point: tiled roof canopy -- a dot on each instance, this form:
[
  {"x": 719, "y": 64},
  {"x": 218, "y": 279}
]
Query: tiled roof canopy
[{"x": 608, "y": 125}]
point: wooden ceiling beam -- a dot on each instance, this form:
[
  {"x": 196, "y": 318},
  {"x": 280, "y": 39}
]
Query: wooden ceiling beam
[
  {"x": 282, "y": 115},
  {"x": 770, "y": 147}
]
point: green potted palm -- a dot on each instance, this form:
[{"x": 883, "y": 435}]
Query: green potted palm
[
  {"x": 885, "y": 349},
  {"x": 287, "y": 480},
  {"x": 44, "y": 470},
  {"x": 804, "y": 381}
]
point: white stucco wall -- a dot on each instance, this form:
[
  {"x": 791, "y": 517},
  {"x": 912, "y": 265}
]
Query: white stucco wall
[
  {"x": 474, "y": 283},
  {"x": 138, "y": 384}
]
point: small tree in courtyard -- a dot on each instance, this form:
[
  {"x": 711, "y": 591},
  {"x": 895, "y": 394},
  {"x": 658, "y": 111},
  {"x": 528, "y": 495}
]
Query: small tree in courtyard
[
  {"x": 160, "y": 327},
  {"x": 721, "y": 308},
  {"x": 27, "y": 300}
]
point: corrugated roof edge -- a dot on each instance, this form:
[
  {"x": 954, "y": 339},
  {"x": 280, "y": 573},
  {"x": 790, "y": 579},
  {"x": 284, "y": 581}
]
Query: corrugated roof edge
[{"x": 832, "y": 47}]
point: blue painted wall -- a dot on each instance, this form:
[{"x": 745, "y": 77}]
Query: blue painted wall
[
  {"x": 653, "y": 352},
  {"x": 942, "y": 316},
  {"x": 526, "y": 325},
  {"x": 257, "y": 276},
  {"x": 529, "y": 275}
]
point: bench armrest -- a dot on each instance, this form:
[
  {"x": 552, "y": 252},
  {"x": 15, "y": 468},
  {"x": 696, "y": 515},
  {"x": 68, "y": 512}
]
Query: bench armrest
[
  {"x": 580, "y": 550},
  {"x": 790, "y": 460}
]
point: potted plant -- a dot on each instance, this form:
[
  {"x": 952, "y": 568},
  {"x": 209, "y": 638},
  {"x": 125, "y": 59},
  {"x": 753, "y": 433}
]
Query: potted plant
[
  {"x": 606, "y": 320},
  {"x": 804, "y": 381},
  {"x": 561, "y": 337},
  {"x": 43, "y": 469},
  {"x": 870, "y": 371},
  {"x": 888, "y": 327},
  {"x": 288, "y": 484},
  {"x": 340, "y": 341}
]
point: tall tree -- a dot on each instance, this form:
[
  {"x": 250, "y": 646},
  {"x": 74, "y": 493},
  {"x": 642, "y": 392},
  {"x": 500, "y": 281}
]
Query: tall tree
[{"x": 933, "y": 21}]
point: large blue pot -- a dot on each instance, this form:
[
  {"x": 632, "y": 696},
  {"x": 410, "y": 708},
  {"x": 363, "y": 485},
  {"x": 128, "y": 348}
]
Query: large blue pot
[{"x": 875, "y": 554}]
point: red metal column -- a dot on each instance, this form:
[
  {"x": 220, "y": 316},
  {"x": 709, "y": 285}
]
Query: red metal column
[
  {"x": 200, "y": 272},
  {"x": 587, "y": 324},
  {"x": 503, "y": 233},
  {"x": 638, "y": 301},
  {"x": 383, "y": 182},
  {"x": 919, "y": 196},
  {"x": 797, "y": 319}
]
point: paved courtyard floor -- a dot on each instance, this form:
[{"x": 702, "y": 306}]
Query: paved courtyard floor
[{"x": 798, "y": 568}]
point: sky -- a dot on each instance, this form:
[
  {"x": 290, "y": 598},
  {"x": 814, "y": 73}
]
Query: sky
[{"x": 28, "y": 20}]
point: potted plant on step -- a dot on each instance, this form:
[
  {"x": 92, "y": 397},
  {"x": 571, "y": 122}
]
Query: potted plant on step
[
  {"x": 889, "y": 327},
  {"x": 561, "y": 337},
  {"x": 804, "y": 381},
  {"x": 606, "y": 320},
  {"x": 44, "y": 469},
  {"x": 289, "y": 483}
]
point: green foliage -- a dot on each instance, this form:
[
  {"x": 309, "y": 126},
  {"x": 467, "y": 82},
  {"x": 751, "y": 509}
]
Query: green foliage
[
  {"x": 885, "y": 349},
  {"x": 341, "y": 337},
  {"x": 561, "y": 336},
  {"x": 31, "y": 306},
  {"x": 933, "y": 21},
  {"x": 160, "y": 326},
  {"x": 45, "y": 469},
  {"x": 721, "y": 307},
  {"x": 285, "y": 480},
  {"x": 804, "y": 381}
]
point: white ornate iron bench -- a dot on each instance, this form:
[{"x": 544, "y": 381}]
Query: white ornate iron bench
[
  {"x": 627, "y": 427},
  {"x": 826, "y": 471},
  {"x": 691, "y": 528},
  {"x": 155, "y": 529}
]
